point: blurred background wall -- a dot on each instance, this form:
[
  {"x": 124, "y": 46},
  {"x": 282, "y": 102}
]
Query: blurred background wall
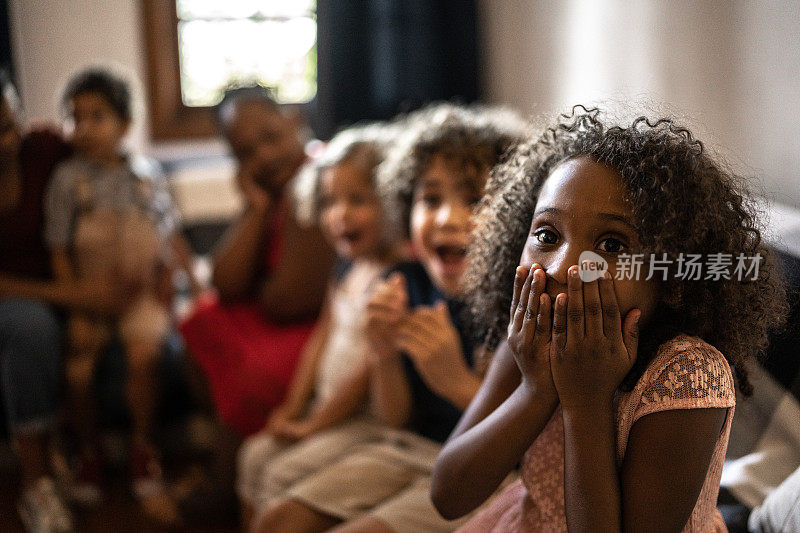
[{"x": 729, "y": 67}]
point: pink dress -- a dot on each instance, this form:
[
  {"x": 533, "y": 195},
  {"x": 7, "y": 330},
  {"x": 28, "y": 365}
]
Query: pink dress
[
  {"x": 687, "y": 373},
  {"x": 247, "y": 359}
]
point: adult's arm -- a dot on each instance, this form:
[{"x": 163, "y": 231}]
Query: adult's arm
[
  {"x": 10, "y": 185},
  {"x": 295, "y": 288},
  {"x": 66, "y": 290},
  {"x": 237, "y": 258},
  {"x": 66, "y": 293}
]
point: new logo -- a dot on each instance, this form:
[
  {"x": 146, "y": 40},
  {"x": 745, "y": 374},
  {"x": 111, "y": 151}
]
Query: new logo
[{"x": 591, "y": 266}]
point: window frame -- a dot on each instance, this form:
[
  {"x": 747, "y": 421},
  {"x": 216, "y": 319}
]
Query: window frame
[{"x": 170, "y": 119}]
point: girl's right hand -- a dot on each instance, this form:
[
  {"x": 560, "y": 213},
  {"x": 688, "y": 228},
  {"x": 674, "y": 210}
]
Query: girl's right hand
[
  {"x": 279, "y": 416},
  {"x": 529, "y": 328}
]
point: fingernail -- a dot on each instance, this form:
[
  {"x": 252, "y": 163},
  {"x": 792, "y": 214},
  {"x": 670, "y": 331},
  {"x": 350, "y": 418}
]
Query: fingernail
[
  {"x": 520, "y": 270},
  {"x": 573, "y": 272}
]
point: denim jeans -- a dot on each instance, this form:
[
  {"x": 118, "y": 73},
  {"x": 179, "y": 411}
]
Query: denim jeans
[{"x": 30, "y": 364}]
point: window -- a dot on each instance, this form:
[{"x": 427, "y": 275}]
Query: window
[{"x": 196, "y": 48}]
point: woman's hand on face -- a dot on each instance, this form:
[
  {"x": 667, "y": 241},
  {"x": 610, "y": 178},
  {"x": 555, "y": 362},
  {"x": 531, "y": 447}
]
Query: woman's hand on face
[
  {"x": 386, "y": 309},
  {"x": 256, "y": 195},
  {"x": 529, "y": 328},
  {"x": 593, "y": 347}
]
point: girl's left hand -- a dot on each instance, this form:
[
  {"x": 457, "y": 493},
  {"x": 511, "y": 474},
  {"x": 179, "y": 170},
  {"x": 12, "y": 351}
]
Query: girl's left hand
[
  {"x": 593, "y": 347},
  {"x": 292, "y": 430}
]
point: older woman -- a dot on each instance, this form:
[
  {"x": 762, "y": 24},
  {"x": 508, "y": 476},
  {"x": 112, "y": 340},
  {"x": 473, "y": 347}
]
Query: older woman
[{"x": 270, "y": 271}]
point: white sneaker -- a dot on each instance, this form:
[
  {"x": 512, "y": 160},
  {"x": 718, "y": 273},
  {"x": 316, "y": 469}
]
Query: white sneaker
[{"x": 42, "y": 510}]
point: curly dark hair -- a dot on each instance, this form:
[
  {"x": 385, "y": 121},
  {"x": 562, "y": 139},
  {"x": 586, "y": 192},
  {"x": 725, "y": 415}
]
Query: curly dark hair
[
  {"x": 112, "y": 88},
  {"x": 682, "y": 200},
  {"x": 473, "y": 137}
]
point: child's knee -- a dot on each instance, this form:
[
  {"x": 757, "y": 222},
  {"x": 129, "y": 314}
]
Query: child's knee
[
  {"x": 87, "y": 336},
  {"x": 142, "y": 357},
  {"x": 146, "y": 323},
  {"x": 252, "y": 461},
  {"x": 283, "y": 472},
  {"x": 283, "y": 514},
  {"x": 79, "y": 370}
]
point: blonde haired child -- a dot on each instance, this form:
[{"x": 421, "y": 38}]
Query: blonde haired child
[{"x": 330, "y": 384}]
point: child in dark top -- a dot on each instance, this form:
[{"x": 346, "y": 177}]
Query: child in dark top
[
  {"x": 431, "y": 415},
  {"x": 421, "y": 361}
]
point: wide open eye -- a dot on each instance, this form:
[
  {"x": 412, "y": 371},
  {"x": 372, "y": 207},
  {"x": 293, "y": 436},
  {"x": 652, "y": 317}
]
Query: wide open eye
[
  {"x": 545, "y": 236},
  {"x": 431, "y": 199},
  {"x": 612, "y": 246},
  {"x": 326, "y": 201}
]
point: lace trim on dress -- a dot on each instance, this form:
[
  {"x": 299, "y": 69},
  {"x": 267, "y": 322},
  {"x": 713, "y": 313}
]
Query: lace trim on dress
[{"x": 687, "y": 373}]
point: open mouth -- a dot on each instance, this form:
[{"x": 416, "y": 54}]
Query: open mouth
[
  {"x": 350, "y": 237},
  {"x": 451, "y": 256}
]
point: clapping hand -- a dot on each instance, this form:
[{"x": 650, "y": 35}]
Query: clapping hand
[
  {"x": 386, "y": 309},
  {"x": 430, "y": 340}
]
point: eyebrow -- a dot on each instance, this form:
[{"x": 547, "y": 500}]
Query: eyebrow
[{"x": 614, "y": 217}]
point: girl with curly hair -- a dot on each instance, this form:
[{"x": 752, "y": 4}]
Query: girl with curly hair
[{"x": 614, "y": 395}]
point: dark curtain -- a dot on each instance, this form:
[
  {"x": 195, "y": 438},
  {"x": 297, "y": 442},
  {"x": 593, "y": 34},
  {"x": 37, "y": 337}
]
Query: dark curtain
[
  {"x": 380, "y": 57},
  {"x": 5, "y": 40}
]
